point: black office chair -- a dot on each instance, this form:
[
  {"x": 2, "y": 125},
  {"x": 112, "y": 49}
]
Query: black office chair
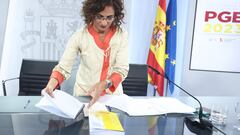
[
  {"x": 34, "y": 76},
  {"x": 136, "y": 82}
]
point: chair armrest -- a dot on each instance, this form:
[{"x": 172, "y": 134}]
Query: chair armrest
[{"x": 4, "y": 86}]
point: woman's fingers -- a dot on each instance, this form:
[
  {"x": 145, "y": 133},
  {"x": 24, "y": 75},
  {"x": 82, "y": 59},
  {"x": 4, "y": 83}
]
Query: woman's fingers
[{"x": 49, "y": 91}]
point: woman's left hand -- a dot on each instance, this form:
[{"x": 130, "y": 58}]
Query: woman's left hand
[{"x": 96, "y": 91}]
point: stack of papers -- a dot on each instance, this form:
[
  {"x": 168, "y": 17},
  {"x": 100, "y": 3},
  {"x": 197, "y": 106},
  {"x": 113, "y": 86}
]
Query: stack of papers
[
  {"x": 62, "y": 104},
  {"x": 104, "y": 120},
  {"x": 96, "y": 107},
  {"x": 146, "y": 106},
  {"x": 67, "y": 106}
]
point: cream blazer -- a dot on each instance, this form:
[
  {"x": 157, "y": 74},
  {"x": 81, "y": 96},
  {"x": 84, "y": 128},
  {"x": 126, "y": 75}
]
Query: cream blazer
[{"x": 82, "y": 44}]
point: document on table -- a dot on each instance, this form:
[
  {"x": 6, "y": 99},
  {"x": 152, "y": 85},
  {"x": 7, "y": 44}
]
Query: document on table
[
  {"x": 96, "y": 107},
  {"x": 62, "y": 104},
  {"x": 146, "y": 106},
  {"x": 105, "y": 121}
]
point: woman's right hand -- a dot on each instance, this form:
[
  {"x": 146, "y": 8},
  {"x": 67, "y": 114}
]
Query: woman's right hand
[{"x": 52, "y": 83}]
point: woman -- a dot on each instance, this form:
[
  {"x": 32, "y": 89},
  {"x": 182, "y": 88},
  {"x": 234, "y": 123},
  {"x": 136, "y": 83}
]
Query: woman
[{"x": 103, "y": 49}]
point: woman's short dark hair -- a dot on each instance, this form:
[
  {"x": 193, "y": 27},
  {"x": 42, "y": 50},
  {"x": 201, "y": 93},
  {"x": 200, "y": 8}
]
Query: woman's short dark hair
[{"x": 92, "y": 7}]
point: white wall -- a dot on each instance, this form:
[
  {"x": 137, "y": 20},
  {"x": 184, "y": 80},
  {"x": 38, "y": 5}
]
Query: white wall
[
  {"x": 3, "y": 18},
  {"x": 27, "y": 34},
  {"x": 140, "y": 28}
]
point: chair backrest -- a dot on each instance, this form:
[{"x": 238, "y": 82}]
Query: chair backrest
[
  {"x": 136, "y": 82},
  {"x": 34, "y": 76}
]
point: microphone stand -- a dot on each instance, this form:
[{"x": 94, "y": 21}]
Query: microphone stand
[{"x": 201, "y": 127}]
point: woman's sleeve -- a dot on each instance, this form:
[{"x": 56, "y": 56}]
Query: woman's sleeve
[
  {"x": 121, "y": 67},
  {"x": 67, "y": 60}
]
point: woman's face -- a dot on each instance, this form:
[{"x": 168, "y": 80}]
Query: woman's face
[{"x": 104, "y": 19}]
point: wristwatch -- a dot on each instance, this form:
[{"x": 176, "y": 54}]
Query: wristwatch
[{"x": 108, "y": 84}]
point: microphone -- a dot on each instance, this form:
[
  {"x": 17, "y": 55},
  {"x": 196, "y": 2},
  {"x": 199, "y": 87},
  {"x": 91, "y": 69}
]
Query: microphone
[{"x": 200, "y": 126}]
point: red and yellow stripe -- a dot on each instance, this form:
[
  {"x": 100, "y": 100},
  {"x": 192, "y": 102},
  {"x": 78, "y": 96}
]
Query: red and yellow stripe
[{"x": 156, "y": 56}]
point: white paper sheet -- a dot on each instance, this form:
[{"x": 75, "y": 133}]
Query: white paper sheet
[
  {"x": 62, "y": 104},
  {"x": 94, "y": 108},
  {"x": 105, "y": 132},
  {"x": 146, "y": 106}
]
